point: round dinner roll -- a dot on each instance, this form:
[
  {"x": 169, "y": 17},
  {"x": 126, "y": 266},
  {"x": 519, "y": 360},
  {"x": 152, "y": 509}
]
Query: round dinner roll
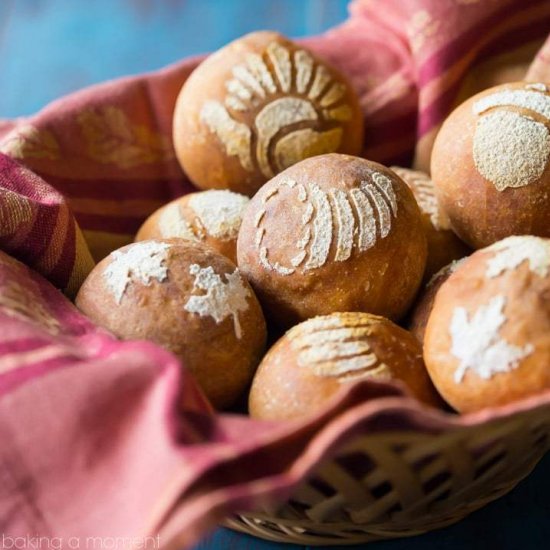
[
  {"x": 443, "y": 245},
  {"x": 490, "y": 164},
  {"x": 211, "y": 217},
  {"x": 257, "y": 106},
  {"x": 487, "y": 341},
  {"x": 333, "y": 233},
  {"x": 188, "y": 299},
  {"x": 314, "y": 359},
  {"x": 424, "y": 303}
]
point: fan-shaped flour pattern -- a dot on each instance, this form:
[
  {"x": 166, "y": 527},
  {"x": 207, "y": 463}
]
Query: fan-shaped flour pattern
[
  {"x": 511, "y": 148},
  {"x": 336, "y": 347},
  {"x": 285, "y": 129},
  {"x": 339, "y": 219}
]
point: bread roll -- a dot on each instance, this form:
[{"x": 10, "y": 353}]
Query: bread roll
[
  {"x": 211, "y": 217},
  {"x": 188, "y": 299},
  {"x": 487, "y": 341},
  {"x": 257, "y": 106},
  {"x": 312, "y": 362},
  {"x": 443, "y": 245},
  {"x": 423, "y": 306},
  {"x": 333, "y": 233},
  {"x": 490, "y": 164}
]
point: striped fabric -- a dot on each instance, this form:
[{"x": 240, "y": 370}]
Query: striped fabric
[
  {"x": 37, "y": 227},
  {"x": 87, "y": 419}
]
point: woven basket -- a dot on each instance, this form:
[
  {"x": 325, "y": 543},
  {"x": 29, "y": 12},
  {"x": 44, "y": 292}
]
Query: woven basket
[{"x": 398, "y": 484}]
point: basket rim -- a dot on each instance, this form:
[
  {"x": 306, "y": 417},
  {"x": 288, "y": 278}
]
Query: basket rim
[{"x": 355, "y": 404}]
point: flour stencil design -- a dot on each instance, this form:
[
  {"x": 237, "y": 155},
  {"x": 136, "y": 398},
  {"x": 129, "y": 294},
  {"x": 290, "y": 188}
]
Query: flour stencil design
[
  {"x": 343, "y": 219},
  {"x": 337, "y": 347},
  {"x": 285, "y": 129},
  {"x": 511, "y": 147}
]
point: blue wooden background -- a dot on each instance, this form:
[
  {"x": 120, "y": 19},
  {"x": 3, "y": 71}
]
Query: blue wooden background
[{"x": 51, "y": 47}]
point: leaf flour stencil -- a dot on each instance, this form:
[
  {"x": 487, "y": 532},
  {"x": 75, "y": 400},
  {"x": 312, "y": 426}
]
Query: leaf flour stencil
[
  {"x": 477, "y": 343},
  {"x": 512, "y": 137},
  {"x": 351, "y": 219},
  {"x": 297, "y": 105},
  {"x": 220, "y": 299}
]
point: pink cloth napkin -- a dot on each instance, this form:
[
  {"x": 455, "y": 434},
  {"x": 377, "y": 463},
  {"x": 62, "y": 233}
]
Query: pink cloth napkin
[{"x": 93, "y": 443}]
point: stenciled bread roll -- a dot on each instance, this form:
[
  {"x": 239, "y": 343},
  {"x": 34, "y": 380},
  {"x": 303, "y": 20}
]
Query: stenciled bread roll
[
  {"x": 490, "y": 164},
  {"x": 315, "y": 359},
  {"x": 487, "y": 341},
  {"x": 211, "y": 217},
  {"x": 443, "y": 245},
  {"x": 257, "y": 106},
  {"x": 333, "y": 233},
  {"x": 188, "y": 299}
]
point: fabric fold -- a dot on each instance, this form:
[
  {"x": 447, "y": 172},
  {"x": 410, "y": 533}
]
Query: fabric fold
[{"x": 109, "y": 438}]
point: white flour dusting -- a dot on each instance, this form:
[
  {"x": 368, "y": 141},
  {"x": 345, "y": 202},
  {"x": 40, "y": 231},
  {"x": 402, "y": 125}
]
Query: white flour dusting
[
  {"x": 336, "y": 347},
  {"x": 219, "y": 212},
  {"x": 221, "y": 299},
  {"x": 172, "y": 224},
  {"x": 513, "y": 251},
  {"x": 144, "y": 262},
  {"x": 510, "y": 149},
  {"x": 532, "y": 100},
  {"x": 476, "y": 342}
]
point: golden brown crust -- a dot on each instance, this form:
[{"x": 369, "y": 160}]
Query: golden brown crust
[
  {"x": 315, "y": 359},
  {"x": 490, "y": 164},
  {"x": 258, "y": 105},
  {"x": 333, "y": 233},
  {"x": 443, "y": 245},
  {"x": 423, "y": 306},
  {"x": 487, "y": 341},
  {"x": 209, "y": 217},
  {"x": 163, "y": 303}
]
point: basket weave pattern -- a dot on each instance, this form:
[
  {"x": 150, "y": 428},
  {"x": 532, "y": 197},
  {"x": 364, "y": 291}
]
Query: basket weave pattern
[{"x": 401, "y": 484}]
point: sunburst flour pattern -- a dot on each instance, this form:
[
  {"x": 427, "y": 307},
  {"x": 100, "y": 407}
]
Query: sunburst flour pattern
[
  {"x": 337, "y": 347},
  {"x": 350, "y": 218},
  {"x": 511, "y": 148},
  {"x": 285, "y": 129}
]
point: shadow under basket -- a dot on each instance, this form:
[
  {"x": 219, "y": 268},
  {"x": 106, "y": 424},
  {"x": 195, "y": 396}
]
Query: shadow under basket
[{"x": 398, "y": 484}]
